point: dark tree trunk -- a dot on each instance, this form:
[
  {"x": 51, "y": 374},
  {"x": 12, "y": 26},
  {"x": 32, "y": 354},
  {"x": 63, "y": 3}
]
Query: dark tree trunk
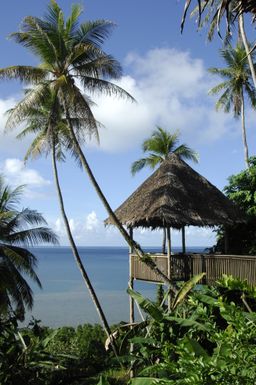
[
  {"x": 136, "y": 248},
  {"x": 77, "y": 256},
  {"x": 164, "y": 241}
]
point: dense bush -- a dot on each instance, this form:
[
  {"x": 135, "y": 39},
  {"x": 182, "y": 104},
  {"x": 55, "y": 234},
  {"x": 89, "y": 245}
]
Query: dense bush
[
  {"x": 39, "y": 355},
  {"x": 208, "y": 338},
  {"x": 242, "y": 190}
]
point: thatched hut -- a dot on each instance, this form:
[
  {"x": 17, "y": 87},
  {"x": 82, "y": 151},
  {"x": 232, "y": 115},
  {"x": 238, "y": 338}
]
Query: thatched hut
[{"x": 175, "y": 196}]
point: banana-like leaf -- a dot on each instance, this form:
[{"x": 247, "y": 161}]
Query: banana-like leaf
[
  {"x": 131, "y": 334},
  {"x": 207, "y": 299},
  {"x": 186, "y": 322},
  {"x": 146, "y": 305},
  {"x": 186, "y": 288},
  {"x": 145, "y": 341},
  {"x": 145, "y": 381},
  {"x": 46, "y": 341},
  {"x": 197, "y": 348}
]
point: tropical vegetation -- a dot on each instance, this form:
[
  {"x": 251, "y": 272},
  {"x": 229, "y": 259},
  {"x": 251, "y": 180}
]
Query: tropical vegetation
[
  {"x": 235, "y": 88},
  {"x": 241, "y": 189},
  {"x": 207, "y": 337},
  {"x": 19, "y": 230}
]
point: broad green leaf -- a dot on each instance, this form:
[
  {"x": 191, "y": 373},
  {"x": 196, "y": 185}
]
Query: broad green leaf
[
  {"x": 148, "y": 306},
  {"x": 197, "y": 348},
  {"x": 46, "y": 341},
  {"x": 207, "y": 299},
  {"x": 186, "y": 322},
  {"x": 186, "y": 288},
  {"x": 144, "y": 341},
  {"x": 144, "y": 381}
]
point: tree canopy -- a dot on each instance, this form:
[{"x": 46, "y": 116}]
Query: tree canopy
[{"x": 19, "y": 229}]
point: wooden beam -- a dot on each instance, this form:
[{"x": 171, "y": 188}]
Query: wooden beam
[
  {"x": 131, "y": 279},
  {"x": 169, "y": 263},
  {"x": 183, "y": 240},
  {"x": 226, "y": 243},
  {"x": 131, "y": 300}
]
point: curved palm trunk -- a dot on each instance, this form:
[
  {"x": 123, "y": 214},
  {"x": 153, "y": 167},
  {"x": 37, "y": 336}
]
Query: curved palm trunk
[
  {"x": 77, "y": 256},
  {"x": 246, "y": 152},
  {"x": 246, "y": 46},
  {"x": 136, "y": 248}
]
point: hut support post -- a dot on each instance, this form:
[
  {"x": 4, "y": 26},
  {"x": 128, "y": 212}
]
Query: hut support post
[
  {"x": 183, "y": 240},
  {"x": 131, "y": 279},
  {"x": 226, "y": 246},
  {"x": 168, "y": 236},
  {"x": 131, "y": 300}
]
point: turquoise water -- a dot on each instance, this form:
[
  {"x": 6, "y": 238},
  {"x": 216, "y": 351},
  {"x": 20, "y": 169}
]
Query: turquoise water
[{"x": 64, "y": 299}]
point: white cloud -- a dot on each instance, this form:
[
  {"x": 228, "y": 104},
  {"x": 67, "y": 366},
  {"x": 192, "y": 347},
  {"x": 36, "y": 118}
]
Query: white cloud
[
  {"x": 171, "y": 90},
  {"x": 91, "y": 231},
  {"x": 92, "y": 222},
  {"x": 17, "y": 173},
  {"x": 9, "y": 144},
  {"x": 82, "y": 229},
  {"x": 170, "y": 87}
]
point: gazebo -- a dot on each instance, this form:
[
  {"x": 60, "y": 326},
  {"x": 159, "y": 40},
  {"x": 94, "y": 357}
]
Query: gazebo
[{"x": 175, "y": 196}]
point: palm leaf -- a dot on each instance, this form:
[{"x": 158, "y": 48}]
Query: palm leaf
[
  {"x": 148, "y": 306},
  {"x": 185, "y": 289}
]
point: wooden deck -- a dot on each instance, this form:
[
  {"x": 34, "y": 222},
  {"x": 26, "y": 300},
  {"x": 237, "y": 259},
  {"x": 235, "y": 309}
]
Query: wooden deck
[{"x": 185, "y": 266}]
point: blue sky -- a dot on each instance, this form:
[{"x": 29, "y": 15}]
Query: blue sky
[{"x": 167, "y": 74}]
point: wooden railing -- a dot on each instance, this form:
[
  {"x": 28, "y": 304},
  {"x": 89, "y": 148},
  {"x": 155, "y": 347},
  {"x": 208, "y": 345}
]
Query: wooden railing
[{"x": 184, "y": 266}]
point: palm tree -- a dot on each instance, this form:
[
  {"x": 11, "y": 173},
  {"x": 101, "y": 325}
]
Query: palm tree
[
  {"x": 159, "y": 146},
  {"x": 213, "y": 12},
  {"x": 16, "y": 234},
  {"x": 70, "y": 53},
  {"x": 52, "y": 136},
  {"x": 222, "y": 8},
  {"x": 235, "y": 87}
]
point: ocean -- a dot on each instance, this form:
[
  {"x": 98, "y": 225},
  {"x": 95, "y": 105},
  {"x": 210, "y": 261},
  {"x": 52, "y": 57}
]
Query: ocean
[{"x": 64, "y": 298}]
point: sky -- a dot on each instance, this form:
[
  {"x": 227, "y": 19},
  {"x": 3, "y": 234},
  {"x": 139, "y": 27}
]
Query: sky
[{"x": 166, "y": 72}]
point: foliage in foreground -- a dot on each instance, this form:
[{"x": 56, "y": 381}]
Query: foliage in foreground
[
  {"x": 39, "y": 355},
  {"x": 208, "y": 338}
]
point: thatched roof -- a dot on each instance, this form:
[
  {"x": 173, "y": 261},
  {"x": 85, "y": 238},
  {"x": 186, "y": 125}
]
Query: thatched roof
[{"x": 175, "y": 195}]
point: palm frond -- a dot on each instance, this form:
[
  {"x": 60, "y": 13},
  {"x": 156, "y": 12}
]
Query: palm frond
[
  {"x": 231, "y": 9},
  {"x": 102, "y": 86},
  {"x": 26, "y": 74},
  {"x": 72, "y": 21},
  {"x": 138, "y": 165},
  {"x": 187, "y": 153},
  {"x": 33, "y": 237},
  {"x": 94, "y": 33},
  {"x": 22, "y": 259},
  {"x": 23, "y": 108}
]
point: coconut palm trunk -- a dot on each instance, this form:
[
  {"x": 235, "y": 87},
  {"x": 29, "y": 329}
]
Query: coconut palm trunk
[
  {"x": 136, "y": 248},
  {"x": 77, "y": 256},
  {"x": 246, "y": 47},
  {"x": 246, "y": 152}
]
